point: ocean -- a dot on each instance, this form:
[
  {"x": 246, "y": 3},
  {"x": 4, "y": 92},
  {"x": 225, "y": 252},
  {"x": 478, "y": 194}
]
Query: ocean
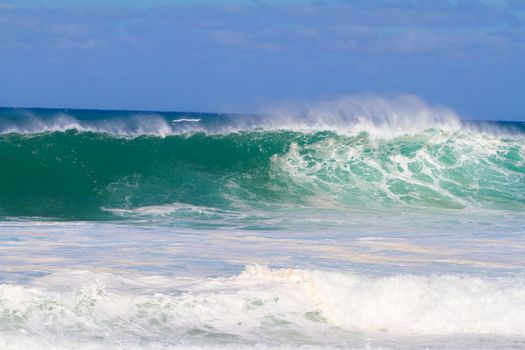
[{"x": 376, "y": 224}]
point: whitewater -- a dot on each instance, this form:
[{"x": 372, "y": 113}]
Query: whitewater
[{"x": 358, "y": 223}]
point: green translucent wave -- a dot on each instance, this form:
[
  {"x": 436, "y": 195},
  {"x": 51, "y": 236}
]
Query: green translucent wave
[{"x": 77, "y": 175}]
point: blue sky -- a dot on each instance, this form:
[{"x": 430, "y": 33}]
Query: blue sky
[{"x": 240, "y": 55}]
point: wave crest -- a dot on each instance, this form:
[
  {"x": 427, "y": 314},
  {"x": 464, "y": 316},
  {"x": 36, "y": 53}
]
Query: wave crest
[
  {"x": 380, "y": 118},
  {"x": 29, "y": 122}
]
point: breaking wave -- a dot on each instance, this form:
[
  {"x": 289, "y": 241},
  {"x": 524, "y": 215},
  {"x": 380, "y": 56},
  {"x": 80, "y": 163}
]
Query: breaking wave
[
  {"x": 350, "y": 153},
  {"x": 297, "y": 305}
]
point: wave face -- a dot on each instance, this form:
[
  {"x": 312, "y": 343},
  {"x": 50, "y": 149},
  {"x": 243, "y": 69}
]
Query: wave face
[{"x": 92, "y": 164}]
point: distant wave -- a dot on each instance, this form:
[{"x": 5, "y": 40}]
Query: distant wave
[
  {"x": 190, "y": 120},
  {"x": 29, "y": 122}
]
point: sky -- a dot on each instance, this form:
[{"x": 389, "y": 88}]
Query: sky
[{"x": 240, "y": 55}]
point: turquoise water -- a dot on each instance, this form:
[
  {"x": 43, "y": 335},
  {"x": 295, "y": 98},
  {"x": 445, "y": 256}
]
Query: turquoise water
[{"x": 357, "y": 227}]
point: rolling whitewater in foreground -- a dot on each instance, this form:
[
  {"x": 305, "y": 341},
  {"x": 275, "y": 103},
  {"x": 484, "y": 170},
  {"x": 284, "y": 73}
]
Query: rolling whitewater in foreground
[{"x": 361, "y": 223}]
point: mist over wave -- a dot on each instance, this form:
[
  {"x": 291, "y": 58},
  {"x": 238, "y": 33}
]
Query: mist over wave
[{"x": 376, "y": 116}]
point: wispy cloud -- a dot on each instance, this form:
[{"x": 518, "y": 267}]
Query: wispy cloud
[{"x": 357, "y": 26}]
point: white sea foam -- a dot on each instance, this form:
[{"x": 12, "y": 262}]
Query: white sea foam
[
  {"x": 179, "y": 210},
  {"x": 190, "y": 120},
  {"x": 433, "y": 170},
  {"x": 165, "y": 209},
  {"x": 22, "y": 342},
  {"x": 301, "y": 306}
]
